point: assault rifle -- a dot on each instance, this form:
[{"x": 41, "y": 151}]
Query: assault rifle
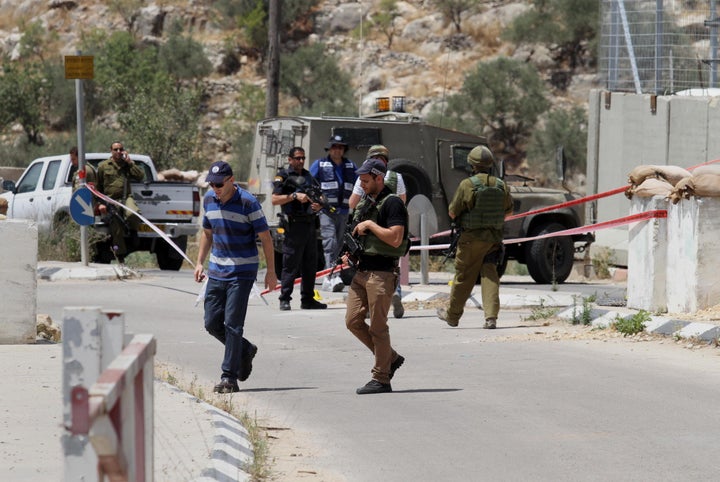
[
  {"x": 312, "y": 191},
  {"x": 351, "y": 245},
  {"x": 454, "y": 238}
]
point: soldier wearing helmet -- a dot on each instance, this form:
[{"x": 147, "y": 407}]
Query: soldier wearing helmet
[
  {"x": 336, "y": 175},
  {"x": 479, "y": 207},
  {"x": 394, "y": 181}
]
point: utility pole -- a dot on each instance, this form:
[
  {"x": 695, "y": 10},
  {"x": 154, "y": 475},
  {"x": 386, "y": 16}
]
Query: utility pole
[{"x": 273, "y": 67}]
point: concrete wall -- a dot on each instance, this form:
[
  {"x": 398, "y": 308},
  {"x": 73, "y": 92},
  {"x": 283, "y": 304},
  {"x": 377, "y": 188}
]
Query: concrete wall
[
  {"x": 18, "y": 283},
  {"x": 694, "y": 248},
  {"x": 624, "y": 132},
  {"x": 672, "y": 262},
  {"x": 648, "y": 257}
]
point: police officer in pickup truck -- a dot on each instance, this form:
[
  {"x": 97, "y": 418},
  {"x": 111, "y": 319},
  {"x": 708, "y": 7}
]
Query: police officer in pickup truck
[
  {"x": 114, "y": 176},
  {"x": 300, "y": 221}
]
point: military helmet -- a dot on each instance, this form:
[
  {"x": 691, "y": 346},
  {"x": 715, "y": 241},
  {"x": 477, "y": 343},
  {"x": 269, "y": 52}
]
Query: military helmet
[
  {"x": 480, "y": 156},
  {"x": 378, "y": 150}
]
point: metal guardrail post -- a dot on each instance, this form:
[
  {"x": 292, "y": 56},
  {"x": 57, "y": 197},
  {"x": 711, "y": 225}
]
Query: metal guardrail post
[{"x": 424, "y": 255}]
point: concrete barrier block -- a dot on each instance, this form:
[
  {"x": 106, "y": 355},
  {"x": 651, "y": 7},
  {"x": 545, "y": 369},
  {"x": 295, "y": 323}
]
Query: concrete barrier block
[
  {"x": 694, "y": 246},
  {"x": 647, "y": 257},
  {"x": 18, "y": 283}
]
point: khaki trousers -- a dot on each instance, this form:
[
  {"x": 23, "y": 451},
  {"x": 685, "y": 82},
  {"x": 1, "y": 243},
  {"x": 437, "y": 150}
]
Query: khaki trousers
[
  {"x": 468, "y": 266},
  {"x": 372, "y": 291}
]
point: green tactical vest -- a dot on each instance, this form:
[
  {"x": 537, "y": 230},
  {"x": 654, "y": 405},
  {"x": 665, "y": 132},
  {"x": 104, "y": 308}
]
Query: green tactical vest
[
  {"x": 372, "y": 245},
  {"x": 489, "y": 209}
]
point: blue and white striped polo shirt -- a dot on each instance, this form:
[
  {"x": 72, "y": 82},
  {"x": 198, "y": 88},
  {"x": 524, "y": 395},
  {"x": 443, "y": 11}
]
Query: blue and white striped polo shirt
[{"x": 234, "y": 225}]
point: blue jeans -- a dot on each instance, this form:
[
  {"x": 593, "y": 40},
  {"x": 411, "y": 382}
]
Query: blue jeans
[{"x": 225, "y": 308}]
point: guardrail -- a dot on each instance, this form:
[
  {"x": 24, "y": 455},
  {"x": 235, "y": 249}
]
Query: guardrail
[{"x": 113, "y": 410}]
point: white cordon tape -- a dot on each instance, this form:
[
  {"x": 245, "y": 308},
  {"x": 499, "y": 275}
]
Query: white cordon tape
[
  {"x": 634, "y": 218},
  {"x": 148, "y": 223}
]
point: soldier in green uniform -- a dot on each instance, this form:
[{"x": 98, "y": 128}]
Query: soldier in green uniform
[
  {"x": 90, "y": 174},
  {"x": 480, "y": 205},
  {"x": 114, "y": 176}
]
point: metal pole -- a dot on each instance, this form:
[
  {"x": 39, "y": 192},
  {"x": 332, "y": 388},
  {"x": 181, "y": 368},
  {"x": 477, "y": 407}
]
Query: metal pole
[
  {"x": 424, "y": 255},
  {"x": 713, "y": 44},
  {"x": 79, "y": 98},
  {"x": 658, "y": 45}
]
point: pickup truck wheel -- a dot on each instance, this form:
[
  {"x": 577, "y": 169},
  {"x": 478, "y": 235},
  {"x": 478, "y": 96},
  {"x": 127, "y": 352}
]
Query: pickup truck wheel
[
  {"x": 167, "y": 258},
  {"x": 550, "y": 260}
]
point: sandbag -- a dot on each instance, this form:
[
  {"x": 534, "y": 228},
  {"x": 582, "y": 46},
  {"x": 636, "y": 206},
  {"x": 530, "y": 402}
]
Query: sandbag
[
  {"x": 653, "y": 187},
  {"x": 672, "y": 174},
  {"x": 708, "y": 169},
  {"x": 707, "y": 185},
  {"x": 683, "y": 189}
]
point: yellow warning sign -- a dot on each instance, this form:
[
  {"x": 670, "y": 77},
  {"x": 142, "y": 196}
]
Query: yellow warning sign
[{"x": 79, "y": 67}]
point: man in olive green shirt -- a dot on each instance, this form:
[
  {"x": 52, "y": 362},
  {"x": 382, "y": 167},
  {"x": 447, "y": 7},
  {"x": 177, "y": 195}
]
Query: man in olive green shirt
[
  {"x": 480, "y": 205},
  {"x": 114, "y": 176}
]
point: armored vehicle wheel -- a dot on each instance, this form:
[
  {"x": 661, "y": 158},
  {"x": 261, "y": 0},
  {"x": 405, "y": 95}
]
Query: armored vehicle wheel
[{"x": 550, "y": 260}]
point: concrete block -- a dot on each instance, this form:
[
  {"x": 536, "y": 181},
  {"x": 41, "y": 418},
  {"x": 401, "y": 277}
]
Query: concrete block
[
  {"x": 647, "y": 257},
  {"x": 18, "y": 283},
  {"x": 694, "y": 246}
]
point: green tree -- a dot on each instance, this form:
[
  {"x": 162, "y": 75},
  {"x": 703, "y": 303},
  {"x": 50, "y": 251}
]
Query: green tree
[
  {"x": 452, "y": 10},
  {"x": 163, "y": 122},
  {"x": 384, "y": 19},
  {"x": 23, "y": 97},
  {"x": 315, "y": 80},
  {"x": 182, "y": 57},
  {"x": 239, "y": 128},
  {"x": 562, "y": 127},
  {"x": 123, "y": 68},
  {"x": 501, "y": 97},
  {"x": 568, "y": 28}
]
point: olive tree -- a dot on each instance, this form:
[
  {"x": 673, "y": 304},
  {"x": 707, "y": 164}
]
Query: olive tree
[
  {"x": 314, "y": 79},
  {"x": 501, "y": 98}
]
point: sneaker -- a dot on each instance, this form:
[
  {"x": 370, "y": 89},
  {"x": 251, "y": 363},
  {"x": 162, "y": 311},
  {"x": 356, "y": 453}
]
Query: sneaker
[
  {"x": 226, "y": 385},
  {"x": 396, "y": 364},
  {"x": 327, "y": 284},
  {"x": 374, "y": 386},
  {"x": 490, "y": 323},
  {"x": 312, "y": 305},
  {"x": 284, "y": 305},
  {"x": 398, "y": 308},
  {"x": 246, "y": 368},
  {"x": 443, "y": 315},
  {"x": 337, "y": 284}
]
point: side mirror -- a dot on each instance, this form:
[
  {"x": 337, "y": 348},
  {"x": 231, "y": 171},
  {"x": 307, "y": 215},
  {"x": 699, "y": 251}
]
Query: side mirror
[{"x": 8, "y": 185}]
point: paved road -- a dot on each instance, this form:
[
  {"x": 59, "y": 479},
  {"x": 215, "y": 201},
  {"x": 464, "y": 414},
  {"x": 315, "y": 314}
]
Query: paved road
[{"x": 517, "y": 403}]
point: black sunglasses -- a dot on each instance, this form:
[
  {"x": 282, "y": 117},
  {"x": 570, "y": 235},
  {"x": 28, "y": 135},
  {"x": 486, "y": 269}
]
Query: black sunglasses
[
  {"x": 217, "y": 184},
  {"x": 118, "y": 149},
  {"x": 299, "y": 158}
]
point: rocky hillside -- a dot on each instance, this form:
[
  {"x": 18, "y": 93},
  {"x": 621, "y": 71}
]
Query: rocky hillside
[{"x": 426, "y": 62}]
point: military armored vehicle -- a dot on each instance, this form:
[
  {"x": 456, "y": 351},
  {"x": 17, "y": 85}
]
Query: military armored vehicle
[{"x": 432, "y": 161}]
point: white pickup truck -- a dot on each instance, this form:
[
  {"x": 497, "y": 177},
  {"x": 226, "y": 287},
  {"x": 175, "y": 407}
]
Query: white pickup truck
[{"x": 43, "y": 193}]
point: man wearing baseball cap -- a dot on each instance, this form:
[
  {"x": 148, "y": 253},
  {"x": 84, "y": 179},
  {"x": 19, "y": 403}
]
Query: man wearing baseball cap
[
  {"x": 232, "y": 220},
  {"x": 395, "y": 182},
  {"x": 381, "y": 226}
]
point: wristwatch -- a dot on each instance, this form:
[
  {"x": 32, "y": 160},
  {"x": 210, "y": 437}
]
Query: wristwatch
[{"x": 294, "y": 196}]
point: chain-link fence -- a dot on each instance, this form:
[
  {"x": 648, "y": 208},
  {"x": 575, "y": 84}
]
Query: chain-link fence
[{"x": 659, "y": 47}]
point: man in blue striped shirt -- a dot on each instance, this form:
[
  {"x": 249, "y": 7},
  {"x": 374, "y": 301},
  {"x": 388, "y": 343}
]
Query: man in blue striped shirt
[{"x": 232, "y": 220}]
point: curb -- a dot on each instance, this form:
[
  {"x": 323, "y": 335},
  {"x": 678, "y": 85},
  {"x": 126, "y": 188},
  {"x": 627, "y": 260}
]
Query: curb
[
  {"x": 231, "y": 449},
  {"x": 658, "y": 325}
]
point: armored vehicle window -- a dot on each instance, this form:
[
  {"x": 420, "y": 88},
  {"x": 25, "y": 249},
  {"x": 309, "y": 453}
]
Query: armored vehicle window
[
  {"x": 276, "y": 141},
  {"x": 459, "y": 157},
  {"x": 359, "y": 136}
]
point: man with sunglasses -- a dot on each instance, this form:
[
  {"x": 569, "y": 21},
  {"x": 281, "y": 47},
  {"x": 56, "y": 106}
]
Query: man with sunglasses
[
  {"x": 300, "y": 243},
  {"x": 114, "y": 176},
  {"x": 232, "y": 220}
]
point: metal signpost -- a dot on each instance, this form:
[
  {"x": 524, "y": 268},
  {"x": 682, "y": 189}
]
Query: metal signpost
[{"x": 80, "y": 67}]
